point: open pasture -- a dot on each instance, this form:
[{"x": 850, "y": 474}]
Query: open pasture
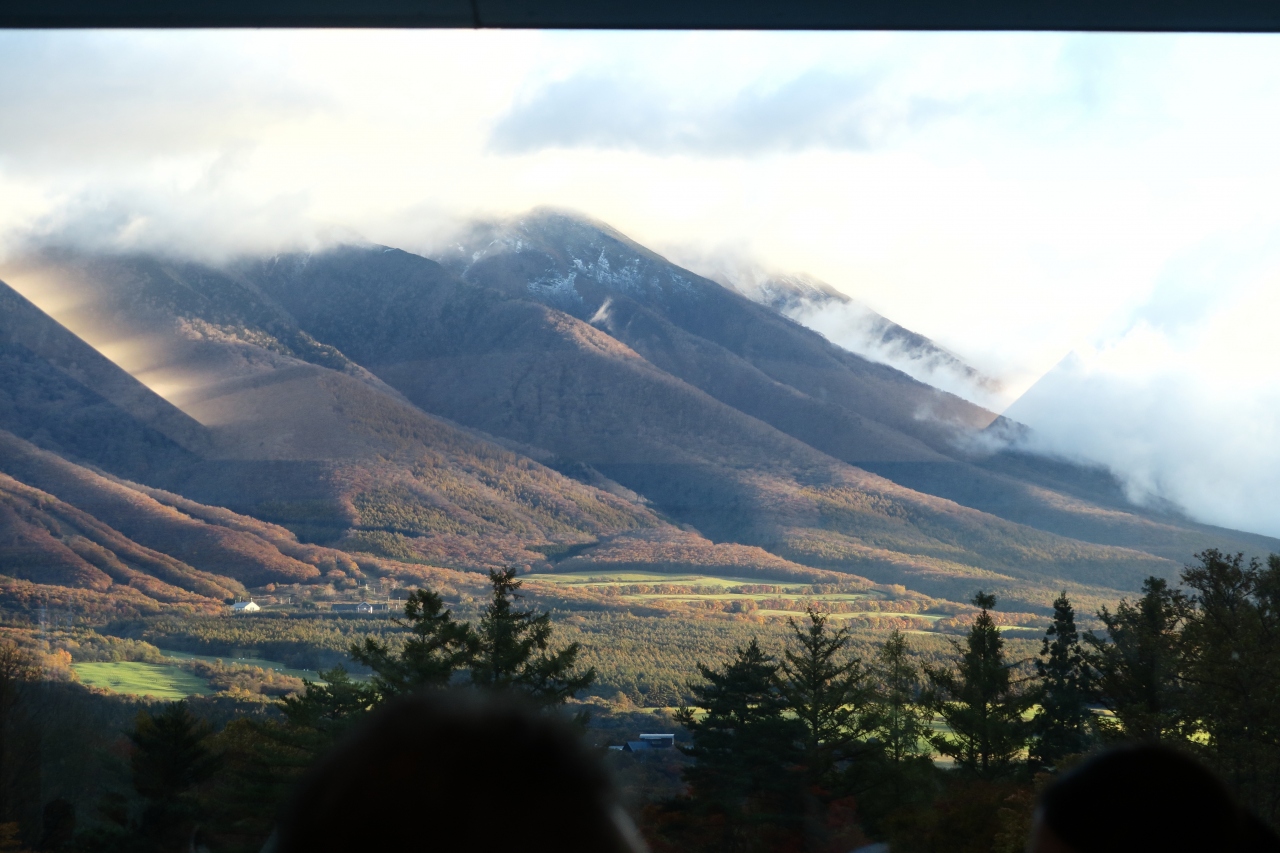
[
  {"x": 605, "y": 578},
  {"x": 696, "y": 592},
  {"x": 694, "y": 587},
  {"x": 163, "y": 681}
]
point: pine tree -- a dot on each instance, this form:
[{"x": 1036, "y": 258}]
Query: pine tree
[
  {"x": 979, "y": 702},
  {"x": 901, "y": 723},
  {"x": 745, "y": 750},
  {"x": 1230, "y": 672},
  {"x": 514, "y": 649},
  {"x": 897, "y": 787},
  {"x": 325, "y": 710},
  {"x": 437, "y": 648},
  {"x": 170, "y": 760},
  {"x": 1061, "y": 725},
  {"x": 1136, "y": 668},
  {"x": 827, "y": 690}
]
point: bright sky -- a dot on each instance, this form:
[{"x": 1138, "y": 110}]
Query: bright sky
[{"x": 1016, "y": 197}]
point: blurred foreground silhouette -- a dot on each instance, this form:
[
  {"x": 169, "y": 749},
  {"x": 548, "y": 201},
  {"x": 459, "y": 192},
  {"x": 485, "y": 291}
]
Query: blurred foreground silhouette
[
  {"x": 462, "y": 771},
  {"x": 1144, "y": 798}
]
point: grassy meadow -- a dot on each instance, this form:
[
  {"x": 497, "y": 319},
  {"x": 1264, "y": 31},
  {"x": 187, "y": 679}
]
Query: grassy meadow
[{"x": 163, "y": 681}]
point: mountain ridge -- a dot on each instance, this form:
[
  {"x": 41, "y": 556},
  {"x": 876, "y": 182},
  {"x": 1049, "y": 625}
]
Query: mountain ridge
[{"x": 563, "y": 399}]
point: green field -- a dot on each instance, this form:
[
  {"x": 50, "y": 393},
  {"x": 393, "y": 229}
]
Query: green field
[
  {"x": 163, "y": 681},
  {"x": 701, "y": 587},
  {"x": 261, "y": 663},
  {"x": 615, "y": 578},
  {"x": 784, "y": 600}
]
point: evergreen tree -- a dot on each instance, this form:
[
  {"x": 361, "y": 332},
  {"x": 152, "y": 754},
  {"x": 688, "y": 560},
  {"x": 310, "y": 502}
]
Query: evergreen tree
[
  {"x": 513, "y": 649},
  {"x": 1230, "y": 672},
  {"x": 901, "y": 723},
  {"x": 827, "y": 690},
  {"x": 979, "y": 701},
  {"x": 170, "y": 760},
  {"x": 745, "y": 750},
  {"x": 897, "y": 787},
  {"x": 325, "y": 710},
  {"x": 1061, "y": 725},
  {"x": 437, "y": 648},
  {"x": 1136, "y": 668}
]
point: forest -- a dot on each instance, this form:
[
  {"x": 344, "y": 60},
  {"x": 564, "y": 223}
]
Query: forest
[{"x": 928, "y": 742}]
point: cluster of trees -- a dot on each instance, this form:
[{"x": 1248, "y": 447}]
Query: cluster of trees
[
  {"x": 825, "y": 745},
  {"x": 190, "y": 786},
  {"x": 805, "y": 750}
]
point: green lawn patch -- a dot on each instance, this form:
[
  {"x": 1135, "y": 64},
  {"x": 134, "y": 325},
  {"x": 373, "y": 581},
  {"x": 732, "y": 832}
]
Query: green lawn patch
[{"x": 163, "y": 681}]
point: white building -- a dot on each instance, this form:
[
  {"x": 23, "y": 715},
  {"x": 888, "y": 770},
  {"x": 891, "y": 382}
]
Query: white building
[{"x": 245, "y": 607}]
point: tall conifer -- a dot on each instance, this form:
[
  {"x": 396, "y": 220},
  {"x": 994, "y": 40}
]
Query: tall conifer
[
  {"x": 746, "y": 750},
  {"x": 828, "y": 691},
  {"x": 514, "y": 649},
  {"x": 1061, "y": 725},
  {"x": 979, "y": 701},
  {"x": 1136, "y": 668},
  {"x": 437, "y": 648},
  {"x": 170, "y": 759},
  {"x": 901, "y": 723}
]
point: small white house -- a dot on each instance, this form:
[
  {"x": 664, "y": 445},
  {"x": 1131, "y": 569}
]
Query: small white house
[{"x": 245, "y": 607}]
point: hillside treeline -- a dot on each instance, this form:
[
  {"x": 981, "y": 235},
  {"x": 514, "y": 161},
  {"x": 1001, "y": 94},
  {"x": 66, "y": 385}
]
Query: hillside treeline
[
  {"x": 810, "y": 740},
  {"x": 820, "y": 749}
]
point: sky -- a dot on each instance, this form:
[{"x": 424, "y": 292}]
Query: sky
[{"x": 1091, "y": 219}]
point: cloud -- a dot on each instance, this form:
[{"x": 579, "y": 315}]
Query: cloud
[
  {"x": 83, "y": 100},
  {"x": 1182, "y": 409},
  {"x": 196, "y": 223},
  {"x": 816, "y": 110},
  {"x": 860, "y": 330}
]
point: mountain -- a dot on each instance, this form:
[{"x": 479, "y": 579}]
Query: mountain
[
  {"x": 280, "y": 427},
  {"x": 590, "y": 271},
  {"x": 629, "y": 292},
  {"x": 547, "y": 393},
  {"x": 516, "y": 367}
]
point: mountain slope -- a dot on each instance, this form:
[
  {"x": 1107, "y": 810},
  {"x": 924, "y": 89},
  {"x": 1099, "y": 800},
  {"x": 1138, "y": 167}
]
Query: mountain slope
[
  {"x": 575, "y": 265},
  {"x": 327, "y": 448},
  {"x": 61, "y": 393},
  {"x": 534, "y": 374},
  {"x": 208, "y": 551},
  {"x": 659, "y": 310}
]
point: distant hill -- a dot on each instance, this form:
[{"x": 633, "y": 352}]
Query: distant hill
[
  {"x": 327, "y": 450},
  {"x": 549, "y": 394},
  {"x": 517, "y": 367}
]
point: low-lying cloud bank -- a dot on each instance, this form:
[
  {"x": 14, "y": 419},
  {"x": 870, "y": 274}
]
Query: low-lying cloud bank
[{"x": 1186, "y": 412}]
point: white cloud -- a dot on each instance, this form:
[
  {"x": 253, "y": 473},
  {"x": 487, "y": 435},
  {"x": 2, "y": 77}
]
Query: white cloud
[
  {"x": 1183, "y": 405},
  {"x": 817, "y": 109}
]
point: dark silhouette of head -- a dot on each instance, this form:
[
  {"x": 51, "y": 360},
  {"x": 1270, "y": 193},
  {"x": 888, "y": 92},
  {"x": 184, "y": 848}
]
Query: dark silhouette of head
[
  {"x": 458, "y": 771},
  {"x": 1144, "y": 798}
]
